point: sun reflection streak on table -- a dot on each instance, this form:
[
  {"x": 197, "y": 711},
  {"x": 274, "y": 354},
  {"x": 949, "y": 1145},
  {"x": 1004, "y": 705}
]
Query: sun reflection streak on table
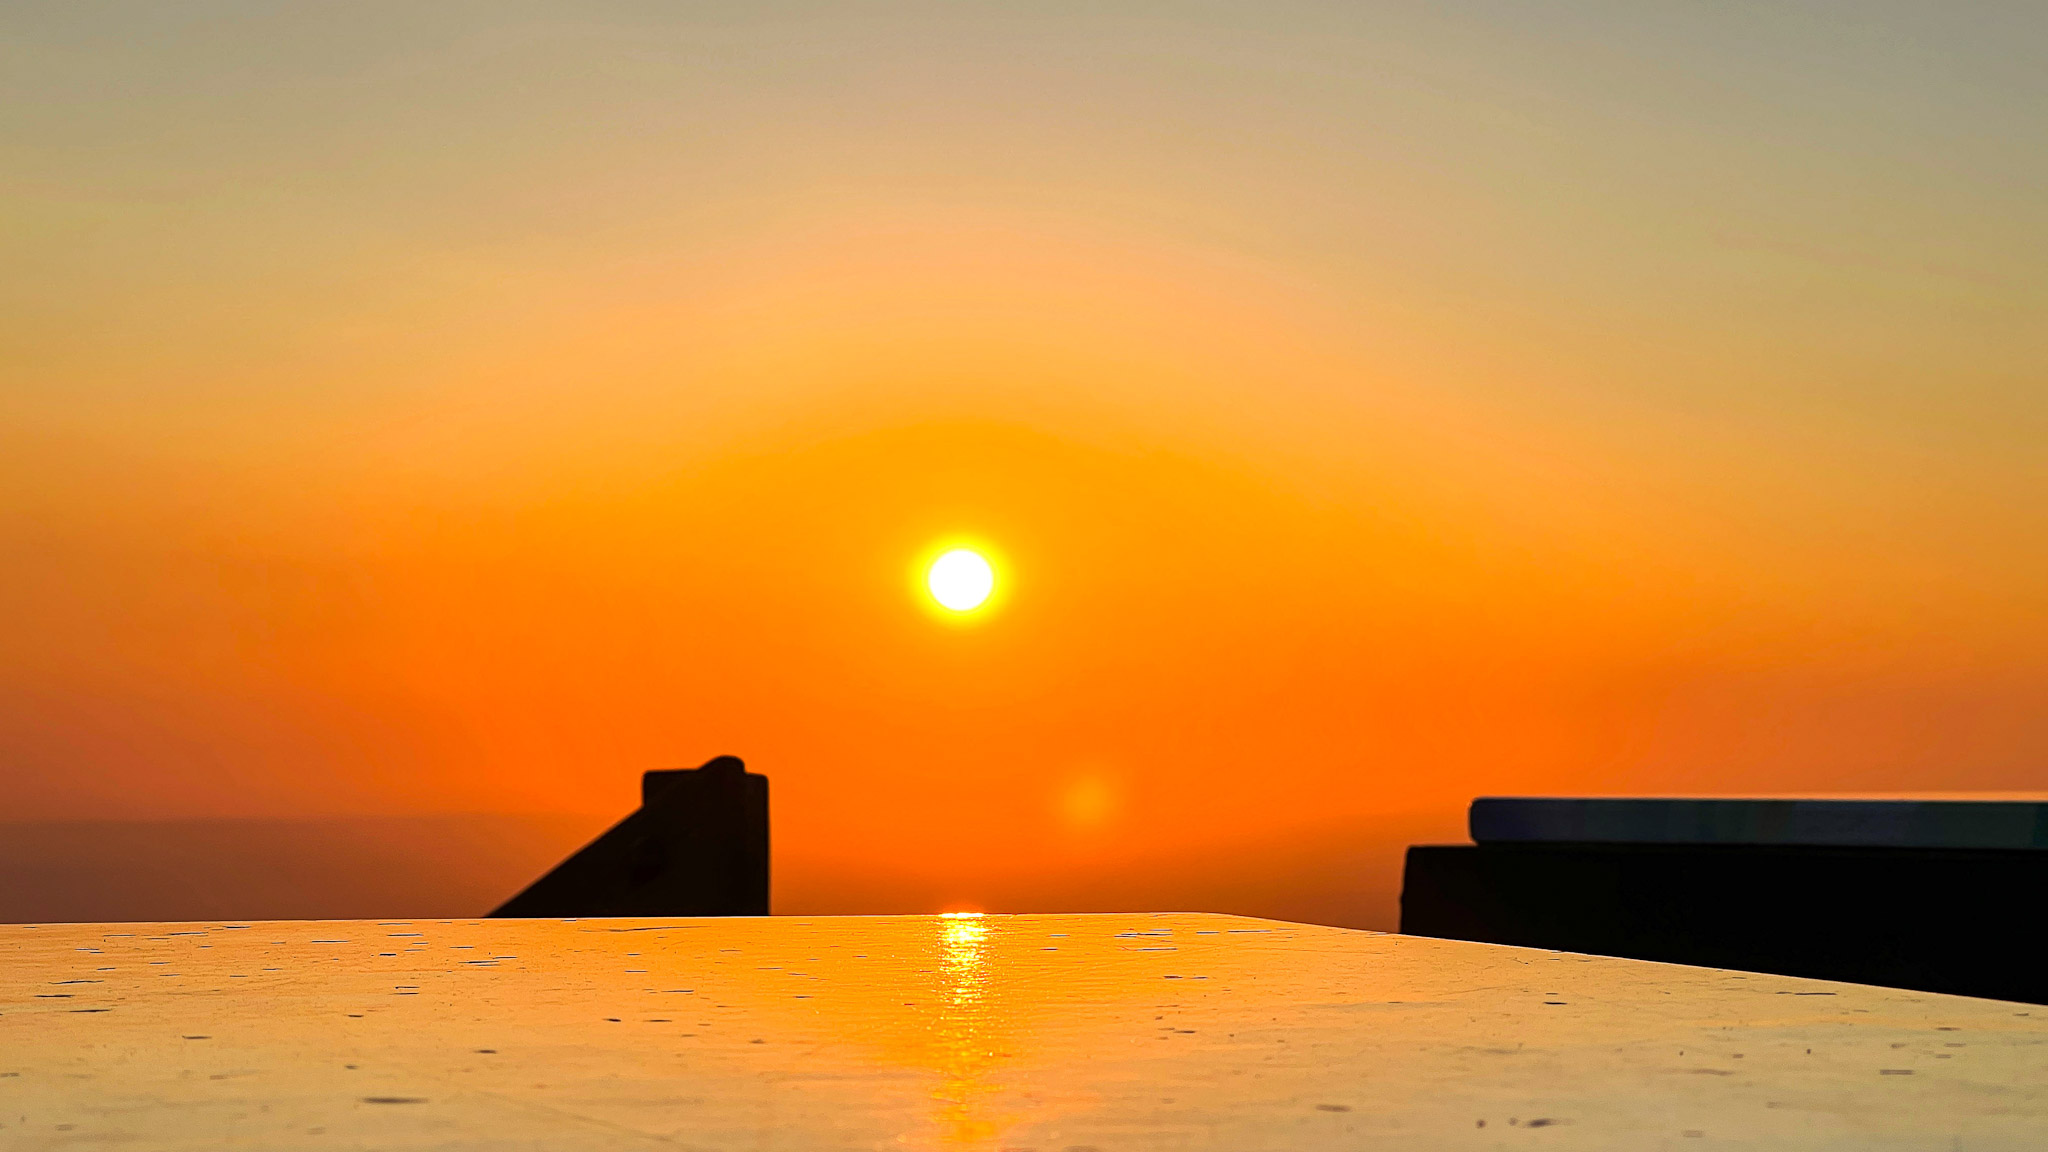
[{"x": 967, "y": 1083}]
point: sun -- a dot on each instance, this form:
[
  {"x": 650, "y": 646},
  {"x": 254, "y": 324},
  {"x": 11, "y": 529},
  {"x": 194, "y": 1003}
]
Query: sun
[{"x": 960, "y": 580}]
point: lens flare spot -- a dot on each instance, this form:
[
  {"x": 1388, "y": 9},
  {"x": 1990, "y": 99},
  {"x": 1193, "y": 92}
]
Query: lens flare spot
[
  {"x": 1089, "y": 802},
  {"x": 961, "y": 580}
]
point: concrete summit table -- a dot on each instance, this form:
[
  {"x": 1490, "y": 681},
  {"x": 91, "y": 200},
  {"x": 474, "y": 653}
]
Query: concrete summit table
[{"x": 1049, "y": 1033}]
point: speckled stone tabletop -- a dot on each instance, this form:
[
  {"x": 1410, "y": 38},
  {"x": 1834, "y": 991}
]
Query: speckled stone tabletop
[{"x": 1040, "y": 1033}]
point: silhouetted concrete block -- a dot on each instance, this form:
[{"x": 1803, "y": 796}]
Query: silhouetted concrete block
[
  {"x": 1873, "y": 822},
  {"x": 697, "y": 846},
  {"x": 1955, "y": 920}
]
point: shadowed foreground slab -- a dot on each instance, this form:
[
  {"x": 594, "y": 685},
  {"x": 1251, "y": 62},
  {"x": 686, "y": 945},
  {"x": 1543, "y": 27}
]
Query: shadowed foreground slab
[{"x": 1051, "y": 1033}]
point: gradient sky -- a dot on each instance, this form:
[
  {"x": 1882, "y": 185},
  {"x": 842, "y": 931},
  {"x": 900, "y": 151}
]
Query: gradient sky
[{"x": 465, "y": 407}]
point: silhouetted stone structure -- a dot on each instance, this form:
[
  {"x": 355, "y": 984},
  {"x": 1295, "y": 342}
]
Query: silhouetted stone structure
[
  {"x": 697, "y": 846},
  {"x": 1687, "y": 890}
]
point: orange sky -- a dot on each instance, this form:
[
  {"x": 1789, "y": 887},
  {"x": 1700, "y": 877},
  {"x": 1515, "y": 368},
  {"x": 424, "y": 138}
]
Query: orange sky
[{"x": 467, "y": 411}]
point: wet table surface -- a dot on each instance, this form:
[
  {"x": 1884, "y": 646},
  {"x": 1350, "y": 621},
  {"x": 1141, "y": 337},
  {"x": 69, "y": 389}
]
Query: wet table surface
[{"x": 1046, "y": 1033}]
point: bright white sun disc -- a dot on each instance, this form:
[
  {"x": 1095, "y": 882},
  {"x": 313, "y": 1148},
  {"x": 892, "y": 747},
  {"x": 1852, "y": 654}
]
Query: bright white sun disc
[{"x": 961, "y": 580}]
